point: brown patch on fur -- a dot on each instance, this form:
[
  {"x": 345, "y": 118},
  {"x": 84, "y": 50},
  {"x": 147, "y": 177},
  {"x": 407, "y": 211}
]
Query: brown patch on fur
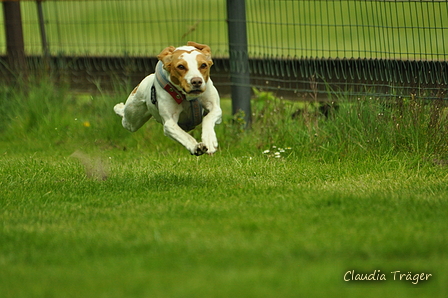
[
  {"x": 166, "y": 56},
  {"x": 174, "y": 79},
  {"x": 135, "y": 90},
  {"x": 204, "y": 66}
]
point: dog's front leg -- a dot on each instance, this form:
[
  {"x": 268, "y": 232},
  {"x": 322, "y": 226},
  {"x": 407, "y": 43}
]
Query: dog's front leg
[
  {"x": 170, "y": 115},
  {"x": 208, "y": 132},
  {"x": 172, "y": 130},
  {"x": 208, "y": 123}
]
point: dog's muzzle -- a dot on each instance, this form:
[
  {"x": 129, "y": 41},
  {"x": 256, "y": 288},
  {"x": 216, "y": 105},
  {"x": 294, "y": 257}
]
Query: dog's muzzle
[{"x": 196, "y": 86}]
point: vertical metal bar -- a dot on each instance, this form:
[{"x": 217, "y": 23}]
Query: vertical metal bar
[
  {"x": 239, "y": 58},
  {"x": 15, "y": 47},
  {"x": 43, "y": 34}
]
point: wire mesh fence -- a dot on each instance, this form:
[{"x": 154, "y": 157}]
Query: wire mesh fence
[
  {"x": 123, "y": 27},
  {"x": 349, "y": 29},
  {"x": 296, "y": 48}
]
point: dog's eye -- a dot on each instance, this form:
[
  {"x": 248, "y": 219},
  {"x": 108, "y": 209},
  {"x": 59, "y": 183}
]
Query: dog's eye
[
  {"x": 204, "y": 65},
  {"x": 181, "y": 67}
]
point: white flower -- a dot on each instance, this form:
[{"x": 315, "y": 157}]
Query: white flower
[{"x": 266, "y": 151}]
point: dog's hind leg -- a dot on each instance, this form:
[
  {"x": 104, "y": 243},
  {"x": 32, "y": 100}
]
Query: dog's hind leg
[{"x": 135, "y": 112}]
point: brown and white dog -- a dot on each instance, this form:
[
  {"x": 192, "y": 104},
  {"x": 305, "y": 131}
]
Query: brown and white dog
[{"x": 180, "y": 95}]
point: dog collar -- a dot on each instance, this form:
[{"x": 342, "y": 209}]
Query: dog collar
[{"x": 163, "y": 81}]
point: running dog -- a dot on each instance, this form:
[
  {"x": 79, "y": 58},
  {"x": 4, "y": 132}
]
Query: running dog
[{"x": 180, "y": 95}]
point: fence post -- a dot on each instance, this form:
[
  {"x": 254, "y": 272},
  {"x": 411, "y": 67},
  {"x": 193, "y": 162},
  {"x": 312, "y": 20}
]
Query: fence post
[
  {"x": 43, "y": 34},
  {"x": 15, "y": 47},
  {"x": 239, "y": 58}
]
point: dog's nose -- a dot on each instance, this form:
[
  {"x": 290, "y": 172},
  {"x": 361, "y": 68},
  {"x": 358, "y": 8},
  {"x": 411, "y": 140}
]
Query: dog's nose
[{"x": 196, "y": 82}]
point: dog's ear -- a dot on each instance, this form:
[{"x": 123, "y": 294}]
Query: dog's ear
[
  {"x": 166, "y": 56},
  {"x": 205, "y": 49}
]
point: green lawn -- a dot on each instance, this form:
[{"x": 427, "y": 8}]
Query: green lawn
[
  {"x": 90, "y": 210},
  {"x": 221, "y": 226}
]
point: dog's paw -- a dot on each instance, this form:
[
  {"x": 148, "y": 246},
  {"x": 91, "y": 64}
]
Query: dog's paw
[
  {"x": 213, "y": 150},
  {"x": 211, "y": 143},
  {"x": 119, "y": 109},
  {"x": 199, "y": 149}
]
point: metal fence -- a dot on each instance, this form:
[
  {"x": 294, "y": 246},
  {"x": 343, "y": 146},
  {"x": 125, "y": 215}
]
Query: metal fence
[{"x": 297, "y": 49}]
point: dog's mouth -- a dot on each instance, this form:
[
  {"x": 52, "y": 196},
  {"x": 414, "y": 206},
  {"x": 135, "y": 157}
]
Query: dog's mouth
[{"x": 195, "y": 91}]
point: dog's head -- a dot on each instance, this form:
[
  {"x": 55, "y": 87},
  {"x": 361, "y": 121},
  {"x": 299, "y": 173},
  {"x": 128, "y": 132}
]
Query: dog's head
[{"x": 188, "y": 66}]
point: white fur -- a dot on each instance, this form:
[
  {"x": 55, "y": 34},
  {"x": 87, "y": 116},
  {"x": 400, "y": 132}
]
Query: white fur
[
  {"x": 139, "y": 109},
  {"x": 185, "y": 48}
]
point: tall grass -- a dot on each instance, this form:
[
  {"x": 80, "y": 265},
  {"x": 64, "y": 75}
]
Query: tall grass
[
  {"x": 50, "y": 115},
  {"x": 356, "y": 128},
  {"x": 47, "y": 115}
]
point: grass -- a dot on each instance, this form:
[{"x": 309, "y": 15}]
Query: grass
[
  {"x": 94, "y": 211},
  {"x": 219, "y": 227}
]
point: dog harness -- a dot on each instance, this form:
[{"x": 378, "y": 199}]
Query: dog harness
[{"x": 195, "y": 106}]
